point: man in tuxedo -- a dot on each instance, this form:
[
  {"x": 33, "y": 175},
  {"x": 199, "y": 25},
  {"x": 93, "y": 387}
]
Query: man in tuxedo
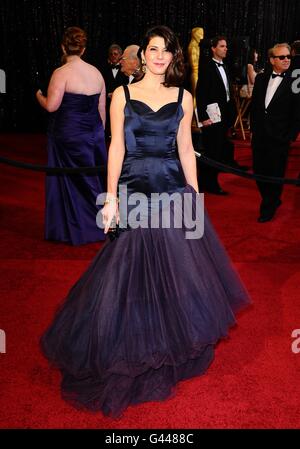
[
  {"x": 113, "y": 77},
  {"x": 131, "y": 64},
  {"x": 275, "y": 122},
  {"x": 111, "y": 72},
  {"x": 295, "y": 65},
  {"x": 214, "y": 86}
]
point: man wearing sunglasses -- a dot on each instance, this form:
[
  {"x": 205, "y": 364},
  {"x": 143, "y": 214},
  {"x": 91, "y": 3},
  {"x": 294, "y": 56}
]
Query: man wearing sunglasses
[
  {"x": 295, "y": 64},
  {"x": 275, "y": 122}
]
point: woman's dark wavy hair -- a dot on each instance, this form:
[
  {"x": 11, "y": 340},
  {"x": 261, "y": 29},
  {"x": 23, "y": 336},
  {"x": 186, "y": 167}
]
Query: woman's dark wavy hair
[
  {"x": 176, "y": 70},
  {"x": 252, "y": 52}
]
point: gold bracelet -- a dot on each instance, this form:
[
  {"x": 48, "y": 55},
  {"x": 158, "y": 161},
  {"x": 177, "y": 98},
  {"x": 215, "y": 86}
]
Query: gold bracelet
[{"x": 111, "y": 200}]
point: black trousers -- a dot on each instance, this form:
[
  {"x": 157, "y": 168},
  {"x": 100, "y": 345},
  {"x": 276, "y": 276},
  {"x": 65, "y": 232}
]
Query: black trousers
[
  {"x": 269, "y": 159},
  {"x": 219, "y": 147}
]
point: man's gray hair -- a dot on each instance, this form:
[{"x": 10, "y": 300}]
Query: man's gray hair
[
  {"x": 132, "y": 51},
  {"x": 114, "y": 47},
  {"x": 271, "y": 50}
]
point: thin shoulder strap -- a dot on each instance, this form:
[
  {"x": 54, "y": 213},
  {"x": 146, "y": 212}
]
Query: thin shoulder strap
[
  {"x": 126, "y": 91},
  {"x": 180, "y": 94}
]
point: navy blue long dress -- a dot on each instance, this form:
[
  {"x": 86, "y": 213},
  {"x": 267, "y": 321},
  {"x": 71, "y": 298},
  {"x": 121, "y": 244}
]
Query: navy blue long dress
[
  {"x": 152, "y": 305},
  {"x": 75, "y": 138}
]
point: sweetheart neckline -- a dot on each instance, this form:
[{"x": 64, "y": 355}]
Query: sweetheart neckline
[{"x": 149, "y": 107}]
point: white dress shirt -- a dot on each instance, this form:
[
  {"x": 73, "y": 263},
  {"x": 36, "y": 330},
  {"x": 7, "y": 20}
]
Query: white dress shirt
[
  {"x": 224, "y": 77},
  {"x": 272, "y": 87},
  {"x": 115, "y": 72}
]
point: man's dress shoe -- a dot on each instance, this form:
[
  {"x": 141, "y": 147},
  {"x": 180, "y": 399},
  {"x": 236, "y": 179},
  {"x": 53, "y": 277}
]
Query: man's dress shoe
[{"x": 267, "y": 215}]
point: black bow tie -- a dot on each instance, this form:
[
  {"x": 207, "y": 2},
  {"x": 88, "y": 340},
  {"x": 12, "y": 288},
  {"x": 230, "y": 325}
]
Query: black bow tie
[
  {"x": 219, "y": 64},
  {"x": 115, "y": 66},
  {"x": 277, "y": 74}
]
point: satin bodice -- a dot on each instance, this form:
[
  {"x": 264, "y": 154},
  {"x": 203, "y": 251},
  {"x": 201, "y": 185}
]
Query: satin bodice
[
  {"x": 151, "y": 161},
  {"x": 78, "y": 111}
]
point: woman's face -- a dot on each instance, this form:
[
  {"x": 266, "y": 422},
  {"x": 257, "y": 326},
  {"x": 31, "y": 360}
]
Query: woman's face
[{"x": 157, "y": 56}]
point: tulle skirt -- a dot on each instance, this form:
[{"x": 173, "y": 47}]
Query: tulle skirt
[{"x": 145, "y": 315}]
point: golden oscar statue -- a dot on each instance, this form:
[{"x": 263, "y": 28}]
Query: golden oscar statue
[{"x": 193, "y": 58}]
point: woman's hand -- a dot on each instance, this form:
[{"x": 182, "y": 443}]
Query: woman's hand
[
  {"x": 207, "y": 122},
  {"x": 110, "y": 212},
  {"x": 38, "y": 93}
]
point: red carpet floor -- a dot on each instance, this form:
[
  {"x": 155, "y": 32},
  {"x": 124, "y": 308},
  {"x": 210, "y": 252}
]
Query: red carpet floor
[{"x": 254, "y": 380}]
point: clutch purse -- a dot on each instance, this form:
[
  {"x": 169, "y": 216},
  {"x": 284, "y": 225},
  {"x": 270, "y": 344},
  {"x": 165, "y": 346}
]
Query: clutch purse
[{"x": 115, "y": 232}]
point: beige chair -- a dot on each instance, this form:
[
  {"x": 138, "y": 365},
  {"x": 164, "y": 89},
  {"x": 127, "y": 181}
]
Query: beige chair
[{"x": 242, "y": 100}]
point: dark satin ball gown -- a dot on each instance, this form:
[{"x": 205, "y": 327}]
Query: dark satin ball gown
[
  {"x": 75, "y": 139},
  {"x": 152, "y": 304}
]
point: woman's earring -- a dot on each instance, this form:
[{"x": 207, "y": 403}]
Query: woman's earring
[{"x": 144, "y": 67}]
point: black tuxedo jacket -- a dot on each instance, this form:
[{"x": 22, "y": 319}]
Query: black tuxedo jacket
[
  {"x": 280, "y": 121},
  {"x": 112, "y": 83},
  {"x": 210, "y": 89}
]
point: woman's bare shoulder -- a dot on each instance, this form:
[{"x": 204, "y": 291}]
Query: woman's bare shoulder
[
  {"x": 119, "y": 94},
  {"x": 89, "y": 66},
  {"x": 187, "y": 95},
  {"x": 61, "y": 72}
]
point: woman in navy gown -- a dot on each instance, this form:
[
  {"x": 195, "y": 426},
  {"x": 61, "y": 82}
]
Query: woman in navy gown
[
  {"x": 149, "y": 310},
  {"x": 76, "y": 99}
]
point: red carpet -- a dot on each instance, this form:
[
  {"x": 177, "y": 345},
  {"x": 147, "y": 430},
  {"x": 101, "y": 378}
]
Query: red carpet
[{"x": 254, "y": 380}]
